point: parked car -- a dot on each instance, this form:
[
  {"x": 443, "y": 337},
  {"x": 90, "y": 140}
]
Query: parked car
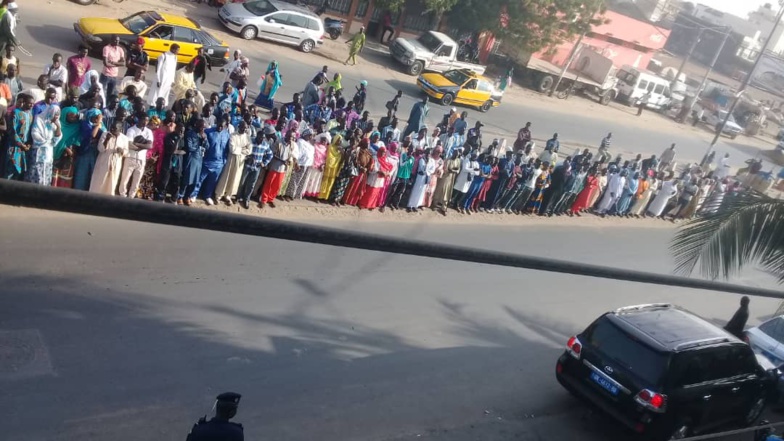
[
  {"x": 664, "y": 372},
  {"x": 768, "y": 339},
  {"x": 158, "y": 30},
  {"x": 460, "y": 86},
  {"x": 433, "y": 51},
  {"x": 274, "y": 20},
  {"x": 715, "y": 118}
]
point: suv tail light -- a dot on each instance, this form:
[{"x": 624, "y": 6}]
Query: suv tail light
[
  {"x": 574, "y": 347},
  {"x": 652, "y": 400}
]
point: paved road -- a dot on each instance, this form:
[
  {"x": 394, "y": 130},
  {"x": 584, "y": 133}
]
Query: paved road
[
  {"x": 58, "y": 35},
  {"x": 126, "y": 331}
]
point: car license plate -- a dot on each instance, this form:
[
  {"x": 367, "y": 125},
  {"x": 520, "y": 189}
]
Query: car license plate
[{"x": 604, "y": 383}]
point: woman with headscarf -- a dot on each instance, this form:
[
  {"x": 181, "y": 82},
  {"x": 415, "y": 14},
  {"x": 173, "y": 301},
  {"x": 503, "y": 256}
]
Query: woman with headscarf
[
  {"x": 315, "y": 173},
  {"x": 332, "y": 166},
  {"x": 305, "y": 159},
  {"x": 376, "y": 179},
  {"x": 357, "y": 42},
  {"x": 485, "y": 169},
  {"x": 446, "y": 183},
  {"x": 348, "y": 170},
  {"x": 112, "y": 147},
  {"x": 435, "y": 177},
  {"x": 360, "y": 96},
  {"x": 147, "y": 184},
  {"x": 602, "y": 180},
  {"x": 394, "y": 158},
  {"x": 46, "y": 133},
  {"x": 334, "y": 84},
  {"x": 582, "y": 202},
  {"x": 63, "y": 169},
  {"x": 485, "y": 189},
  {"x": 629, "y": 191},
  {"x": 646, "y": 190},
  {"x": 541, "y": 184},
  {"x": 87, "y": 151},
  {"x": 365, "y": 165},
  {"x": 269, "y": 86}
]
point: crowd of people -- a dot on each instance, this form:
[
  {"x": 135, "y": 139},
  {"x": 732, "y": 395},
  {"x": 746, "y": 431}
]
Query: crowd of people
[{"x": 100, "y": 132}]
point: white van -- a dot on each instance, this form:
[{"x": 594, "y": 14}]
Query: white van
[{"x": 633, "y": 84}]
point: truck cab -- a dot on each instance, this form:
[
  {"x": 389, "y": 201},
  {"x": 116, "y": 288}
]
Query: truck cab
[{"x": 433, "y": 51}]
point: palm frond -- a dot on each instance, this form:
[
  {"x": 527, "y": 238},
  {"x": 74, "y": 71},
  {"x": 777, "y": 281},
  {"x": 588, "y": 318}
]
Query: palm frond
[{"x": 747, "y": 229}]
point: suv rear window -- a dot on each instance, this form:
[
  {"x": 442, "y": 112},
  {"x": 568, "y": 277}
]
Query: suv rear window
[{"x": 627, "y": 351}]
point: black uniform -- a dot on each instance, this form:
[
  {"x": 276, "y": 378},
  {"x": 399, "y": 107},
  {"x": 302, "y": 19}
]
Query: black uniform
[{"x": 216, "y": 430}]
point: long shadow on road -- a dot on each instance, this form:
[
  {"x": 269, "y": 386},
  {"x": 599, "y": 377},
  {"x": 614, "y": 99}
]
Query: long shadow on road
[{"x": 122, "y": 368}]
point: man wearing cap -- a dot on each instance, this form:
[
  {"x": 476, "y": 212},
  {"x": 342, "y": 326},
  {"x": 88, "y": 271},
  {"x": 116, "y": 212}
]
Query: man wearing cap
[
  {"x": 137, "y": 58},
  {"x": 219, "y": 428}
]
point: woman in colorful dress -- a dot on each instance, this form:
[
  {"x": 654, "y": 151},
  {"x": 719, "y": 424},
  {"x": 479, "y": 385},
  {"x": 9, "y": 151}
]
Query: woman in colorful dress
[
  {"x": 376, "y": 179},
  {"x": 268, "y": 86},
  {"x": 46, "y": 133},
  {"x": 315, "y": 173},
  {"x": 491, "y": 178},
  {"x": 648, "y": 185},
  {"x": 582, "y": 202},
  {"x": 332, "y": 163},
  {"x": 602, "y": 181},
  {"x": 147, "y": 186},
  {"x": 365, "y": 165},
  {"x": 485, "y": 168},
  {"x": 394, "y": 158},
  {"x": 439, "y": 172},
  {"x": 629, "y": 191},
  {"x": 112, "y": 147},
  {"x": 541, "y": 184},
  {"x": 349, "y": 169},
  {"x": 87, "y": 151}
]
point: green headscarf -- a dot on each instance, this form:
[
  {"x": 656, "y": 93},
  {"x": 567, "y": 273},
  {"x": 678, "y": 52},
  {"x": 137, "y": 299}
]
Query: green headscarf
[
  {"x": 335, "y": 83},
  {"x": 71, "y": 132}
]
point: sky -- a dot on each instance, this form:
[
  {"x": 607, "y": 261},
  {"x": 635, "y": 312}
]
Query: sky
[{"x": 741, "y": 8}]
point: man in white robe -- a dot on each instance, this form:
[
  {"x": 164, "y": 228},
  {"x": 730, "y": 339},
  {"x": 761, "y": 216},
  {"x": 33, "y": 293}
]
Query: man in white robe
[
  {"x": 612, "y": 193},
  {"x": 668, "y": 190},
  {"x": 165, "y": 71}
]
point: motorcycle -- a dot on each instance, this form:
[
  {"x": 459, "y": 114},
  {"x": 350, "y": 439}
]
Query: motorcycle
[{"x": 334, "y": 27}]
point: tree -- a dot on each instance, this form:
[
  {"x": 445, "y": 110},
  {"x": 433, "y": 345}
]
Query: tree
[
  {"x": 747, "y": 229},
  {"x": 437, "y": 7},
  {"x": 531, "y": 25}
]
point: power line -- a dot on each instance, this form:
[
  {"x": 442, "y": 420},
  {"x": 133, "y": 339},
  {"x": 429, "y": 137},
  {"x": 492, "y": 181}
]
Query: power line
[{"x": 92, "y": 204}]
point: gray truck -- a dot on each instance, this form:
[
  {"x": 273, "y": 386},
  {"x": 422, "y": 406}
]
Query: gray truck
[{"x": 432, "y": 51}]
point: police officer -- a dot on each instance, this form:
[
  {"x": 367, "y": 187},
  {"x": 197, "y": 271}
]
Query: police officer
[{"x": 220, "y": 428}]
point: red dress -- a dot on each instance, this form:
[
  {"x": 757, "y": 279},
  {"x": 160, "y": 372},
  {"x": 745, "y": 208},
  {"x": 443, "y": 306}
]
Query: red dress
[
  {"x": 480, "y": 198},
  {"x": 581, "y": 203}
]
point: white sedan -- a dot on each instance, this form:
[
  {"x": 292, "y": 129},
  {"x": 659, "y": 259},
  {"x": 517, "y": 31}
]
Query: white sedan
[
  {"x": 767, "y": 339},
  {"x": 715, "y": 118}
]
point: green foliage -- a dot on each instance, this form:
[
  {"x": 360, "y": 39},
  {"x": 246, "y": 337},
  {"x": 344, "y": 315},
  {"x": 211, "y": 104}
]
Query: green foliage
[
  {"x": 749, "y": 228},
  {"x": 533, "y": 25},
  {"x": 436, "y": 6},
  {"x": 392, "y": 5}
]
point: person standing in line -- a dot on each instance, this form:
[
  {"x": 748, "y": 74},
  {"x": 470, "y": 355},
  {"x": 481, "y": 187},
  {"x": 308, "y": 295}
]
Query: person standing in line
[
  {"x": 523, "y": 138},
  {"x": 357, "y": 42},
  {"x": 364, "y": 164},
  {"x": 259, "y": 158},
  {"x": 184, "y": 81},
  {"x": 541, "y": 184},
  {"x": 530, "y": 172},
  {"x": 282, "y": 159},
  {"x": 136, "y": 59},
  {"x": 141, "y": 138},
  {"x": 234, "y": 64},
  {"x": 446, "y": 183},
  {"x": 376, "y": 179},
  {"x": 19, "y": 142},
  {"x": 481, "y": 175},
  {"x": 615, "y": 186},
  {"x": 738, "y": 321},
  {"x": 45, "y": 134},
  {"x": 170, "y": 174},
  {"x": 425, "y": 169},
  {"x": 113, "y": 60},
  {"x": 582, "y": 202},
  {"x": 668, "y": 189},
  {"x": 469, "y": 168},
  {"x": 332, "y": 164},
  {"x": 402, "y": 185},
  {"x": 195, "y": 146},
  {"x": 200, "y": 64},
  {"x": 137, "y": 81},
  {"x": 643, "y": 103},
  {"x": 229, "y": 182},
  {"x": 165, "y": 71},
  {"x": 436, "y": 158},
  {"x": 78, "y": 65},
  {"x": 315, "y": 172},
  {"x": 307, "y": 152},
  {"x": 215, "y": 156},
  {"x": 57, "y": 75},
  {"x": 112, "y": 147},
  {"x": 348, "y": 170}
]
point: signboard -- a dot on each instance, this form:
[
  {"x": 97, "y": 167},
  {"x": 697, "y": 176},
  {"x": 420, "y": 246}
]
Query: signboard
[{"x": 769, "y": 74}]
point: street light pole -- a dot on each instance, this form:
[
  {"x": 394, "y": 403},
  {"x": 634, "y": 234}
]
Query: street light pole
[
  {"x": 686, "y": 58},
  {"x": 746, "y": 80},
  {"x": 572, "y": 54},
  {"x": 708, "y": 72}
]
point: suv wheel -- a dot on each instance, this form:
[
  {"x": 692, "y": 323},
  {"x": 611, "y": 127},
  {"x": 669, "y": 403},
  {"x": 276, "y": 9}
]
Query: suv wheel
[
  {"x": 248, "y": 32},
  {"x": 307, "y": 46},
  {"x": 755, "y": 411}
]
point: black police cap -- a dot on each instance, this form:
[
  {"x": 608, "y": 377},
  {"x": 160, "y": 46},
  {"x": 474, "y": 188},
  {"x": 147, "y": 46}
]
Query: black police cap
[{"x": 229, "y": 398}]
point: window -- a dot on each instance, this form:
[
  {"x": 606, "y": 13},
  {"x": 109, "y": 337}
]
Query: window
[
  {"x": 713, "y": 364},
  {"x": 633, "y": 355},
  {"x": 643, "y": 84},
  {"x": 313, "y": 25},
  {"x": 259, "y": 8},
  {"x": 278, "y": 18},
  {"x": 651, "y": 86},
  {"x": 455, "y": 76},
  {"x": 445, "y": 51},
  {"x": 484, "y": 86},
  {"x": 659, "y": 89},
  {"x": 162, "y": 32},
  {"x": 773, "y": 328},
  {"x": 430, "y": 41},
  {"x": 471, "y": 84},
  {"x": 298, "y": 21},
  {"x": 184, "y": 35},
  {"x": 137, "y": 23}
]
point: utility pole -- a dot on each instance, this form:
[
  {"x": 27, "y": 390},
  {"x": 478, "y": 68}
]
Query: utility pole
[
  {"x": 746, "y": 80},
  {"x": 686, "y": 58},
  {"x": 710, "y": 69},
  {"x": 572, "y": 54}
]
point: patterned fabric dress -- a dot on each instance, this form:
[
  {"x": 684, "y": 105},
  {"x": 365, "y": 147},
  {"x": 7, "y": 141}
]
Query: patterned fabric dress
[
  {"x": 535, "y": 201},
  {"x": 344, "y": 177},
  {"x": 147, "y": 187},
  {"x": 63, "y": 171},
  {"x": 332, "y": 167}
]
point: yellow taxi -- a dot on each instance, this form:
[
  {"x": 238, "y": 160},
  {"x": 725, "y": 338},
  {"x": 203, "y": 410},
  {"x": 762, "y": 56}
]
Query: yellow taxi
[
  {"x": 460, "y": 86},
  {"x": 158, "y": 30}
]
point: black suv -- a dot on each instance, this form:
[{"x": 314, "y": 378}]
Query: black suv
[{"x": 664, "y": 372}]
